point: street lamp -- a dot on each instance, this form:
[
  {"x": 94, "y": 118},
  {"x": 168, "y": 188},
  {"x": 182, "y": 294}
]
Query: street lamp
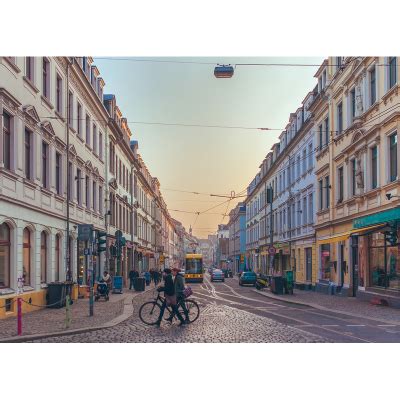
[{"x": 223, "y": 71}]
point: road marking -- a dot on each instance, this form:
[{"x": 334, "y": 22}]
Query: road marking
[
  {"x": 329, "y": 325},
  {"x": 387, "y": 326},
  {"x": 355, "y": 325}
]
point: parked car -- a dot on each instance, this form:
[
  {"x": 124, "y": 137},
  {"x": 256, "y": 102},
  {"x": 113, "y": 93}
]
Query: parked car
[
  {"x": 248, "y": 278},
  {"x": 217, "y": 275}
]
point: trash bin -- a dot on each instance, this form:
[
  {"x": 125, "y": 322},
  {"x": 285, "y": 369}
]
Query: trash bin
[
  {"x": 56, "y": 292},
  {"x": 277, "y": 285},
  {"x": 117, "y": 284},
  {"x": 139, "y": 284},
  {"x": 288, "y": 282}
]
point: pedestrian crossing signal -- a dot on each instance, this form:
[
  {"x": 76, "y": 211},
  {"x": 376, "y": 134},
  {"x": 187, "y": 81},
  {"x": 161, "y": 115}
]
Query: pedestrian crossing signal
[{"x": 101, "y": 240}]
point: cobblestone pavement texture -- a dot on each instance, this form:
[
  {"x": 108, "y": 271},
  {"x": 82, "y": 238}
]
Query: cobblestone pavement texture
[
  {"x": 216, "y": 324},
  {"x": 53, "y": 320},
  {"x": 344, "y": 304}
]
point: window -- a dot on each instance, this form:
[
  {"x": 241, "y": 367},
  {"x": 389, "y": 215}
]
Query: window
[
  {"x": 298, "y": 166},
  {"x": 327, "y": 191},
  {"x": 310, "y": 208},
  {"x": 353, "y": 176},
  {"x": 58, "y": 261},
  {"x": 94, "y": 196},
  {"x": 70, "y": 181},
  {"x": 327, "y": 131},
  {"x": 79, "y": 119},
  {"x": 43, "y": 257},
  {"x": 374, "y": 167},
  {"x": 30, "y": 68},
  {"x": 78, "y": 186},
  {"x": 26, "y": 258},
  {"x": 101, "y": 146},
  {"x": 299, "y": 213},
  {"x": 58, "y": 172},
  {"x": 352, "y": 104},
  {"x": 59, "y": 94},
  {"x": 392, "y": 71},
  {"x": 87, "y": 194},
  {"x": 45, "y": 164},
  {"x": 339, "y": 118},
  {"x": 325, "y": 262},
  {"x": 5, "y": 244},
  {"x": 100, "y": 200},
  {"x": 393, "y": 156},
  {"x": 321, "y": 194},
  {"x": 340, "y": 184},
  {"x": 7, "y": 141},
  {"x": 305, "y": 216},
  {"x": 320, "y": 137},
  {"x": 372, "y": 85},
  {"x": 28, "y": 154},
  {"x": 46, "y": 78},
  {"x": 87, "y": 130},
  {"x": 338, "y": 63},
  {"x": 70, "y": 109},
  {"x": 310, "y": 155},
  {"x": 94, "y": 138},
  {"x": 304, "y": 160}
]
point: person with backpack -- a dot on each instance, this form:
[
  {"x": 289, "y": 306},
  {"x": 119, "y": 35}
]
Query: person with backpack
[
  {"x": 170, "y": 298},
  {"x": 133, "y": 274}
]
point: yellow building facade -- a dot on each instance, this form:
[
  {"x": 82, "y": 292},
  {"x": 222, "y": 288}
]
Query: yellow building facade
[{"x": 356, "y": 114}]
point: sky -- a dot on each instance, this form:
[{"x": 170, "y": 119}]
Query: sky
[{"x": 199, "y": 159}]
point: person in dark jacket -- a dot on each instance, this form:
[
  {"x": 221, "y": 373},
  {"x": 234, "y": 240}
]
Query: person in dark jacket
[
  {"x": 170, "y": 298},
  {"x": 179, "y": 285},
  {"x": 133, "y": 274}
]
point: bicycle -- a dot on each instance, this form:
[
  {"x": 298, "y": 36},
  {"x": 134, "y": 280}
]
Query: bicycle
[{"x": 150, "y": 311}]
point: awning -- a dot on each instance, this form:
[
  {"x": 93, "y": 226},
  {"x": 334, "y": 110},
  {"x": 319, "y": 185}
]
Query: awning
[
  {"x": 334, "y": 239},
  {"x": 367, "y": 230}
]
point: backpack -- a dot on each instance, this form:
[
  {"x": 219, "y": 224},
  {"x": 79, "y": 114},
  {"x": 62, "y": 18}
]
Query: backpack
[{"x": 187, "y": 292}]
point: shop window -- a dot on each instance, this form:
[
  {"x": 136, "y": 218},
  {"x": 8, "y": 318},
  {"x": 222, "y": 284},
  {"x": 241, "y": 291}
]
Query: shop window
[
  {"x": 4, "y": 255},
  {"x": 27, "y": 263},
  {"x": 325, "y": 262}
]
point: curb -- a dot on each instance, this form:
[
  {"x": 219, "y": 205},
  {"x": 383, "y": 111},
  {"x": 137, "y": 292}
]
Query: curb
[
  {"x": 322, "y": 308},
  {"x": 126, "y": 313}
]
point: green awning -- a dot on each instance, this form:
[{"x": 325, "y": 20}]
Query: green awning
[{"x": 391, "y": 215}]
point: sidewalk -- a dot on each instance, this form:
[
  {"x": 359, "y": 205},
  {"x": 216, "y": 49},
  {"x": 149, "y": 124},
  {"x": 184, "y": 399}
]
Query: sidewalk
[
  {"x": 51, "y": 322},
  {"x": 345, "y": 305}
]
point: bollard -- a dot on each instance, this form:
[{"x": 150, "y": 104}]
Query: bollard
[
  {"x": 67, "y": 312},
  {"x": 19, "y": 317}
]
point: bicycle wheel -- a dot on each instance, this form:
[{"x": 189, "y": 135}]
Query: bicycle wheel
[
  {"x": 149, "y": 312},
  {"x": 193, "y": 310}
]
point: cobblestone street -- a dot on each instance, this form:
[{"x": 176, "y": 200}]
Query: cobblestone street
[{"x": 216, "y": 324}]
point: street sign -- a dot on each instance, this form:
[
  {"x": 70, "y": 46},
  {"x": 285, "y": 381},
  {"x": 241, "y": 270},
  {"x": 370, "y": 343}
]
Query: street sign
[
  {"x": 272, "y": 251},
  {"x": 85, "y": 232},
  {"x": 86, "y": 252}
]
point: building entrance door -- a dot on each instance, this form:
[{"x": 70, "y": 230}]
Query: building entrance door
[
  {"x": 342, "y": 264},
  {"x": 354, "y": 266},
  {"x": 308, "y": 263}
]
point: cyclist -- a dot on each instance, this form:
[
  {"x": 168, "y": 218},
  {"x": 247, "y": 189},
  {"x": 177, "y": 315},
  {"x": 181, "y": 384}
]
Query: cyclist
[{"x": 170, "y": 298}]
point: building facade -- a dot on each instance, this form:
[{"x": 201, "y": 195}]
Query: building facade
[
  {"x": 237, "y": 238},
  {"x": 356, "y": 112}
]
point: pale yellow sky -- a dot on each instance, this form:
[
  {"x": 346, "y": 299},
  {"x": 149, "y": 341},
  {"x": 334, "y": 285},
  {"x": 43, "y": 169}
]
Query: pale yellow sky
[{"x": 207, "y": 160}]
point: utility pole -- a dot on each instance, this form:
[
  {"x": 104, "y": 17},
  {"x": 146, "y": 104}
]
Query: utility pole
[{"x": 68, "y": 275}]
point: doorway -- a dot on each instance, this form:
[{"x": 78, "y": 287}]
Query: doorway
[
  {"x": 308, "y": 251},
  {"x": 354, "y": 265}
]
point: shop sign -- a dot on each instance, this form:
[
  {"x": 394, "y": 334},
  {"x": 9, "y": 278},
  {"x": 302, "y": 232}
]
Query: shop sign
[
  {"x": 325, "y": 253},
  {"x": 384, "y": 216}
]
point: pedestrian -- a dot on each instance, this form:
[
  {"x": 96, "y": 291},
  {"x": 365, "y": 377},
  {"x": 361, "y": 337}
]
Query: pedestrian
[
  {"x": 133, "y": 274},
  {"x": 156, "y": 277},
  {"x": 170, "y": 298},
  {"x": 107, "y": 279},
  {"x": 151, "y": 275},
  {"x": 147, "y": 278},
  {"x": 179, "y": 285}
]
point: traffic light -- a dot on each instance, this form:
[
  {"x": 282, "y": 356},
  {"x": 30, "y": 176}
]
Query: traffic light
[
  {"x": 391, "y": 237},
  {"x": 120, "y": 242},
  {"x": 101, "y": 239},
  {"x": 113, "y": 251}
]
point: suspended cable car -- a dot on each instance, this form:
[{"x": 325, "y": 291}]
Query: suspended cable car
[{"x": 223, "y": 71}]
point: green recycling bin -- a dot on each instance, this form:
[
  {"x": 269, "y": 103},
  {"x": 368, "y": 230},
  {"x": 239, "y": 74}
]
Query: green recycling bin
[{"x": 289, "y": 282}]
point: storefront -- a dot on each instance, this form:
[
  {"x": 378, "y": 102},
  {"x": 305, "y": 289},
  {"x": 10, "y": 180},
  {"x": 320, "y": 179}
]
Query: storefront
[{"x": 378, "y": 250}]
